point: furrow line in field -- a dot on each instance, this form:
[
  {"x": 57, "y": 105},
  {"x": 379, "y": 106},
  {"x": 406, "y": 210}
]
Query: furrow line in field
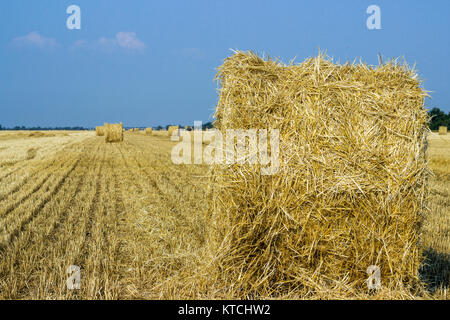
[
  {"x": 7, "y": 174},
  {"x": 166, "y": 197},
  {"x": 72, "y": 241},
  {"x": 79, "y": 186},
  {"x": 106, "y": 270},
  {"x": 15, "y": 199},
  {"x": 21, "y": 198},
  {"x": 8, "y": 194},
  {"x": 11, "y": 229},
  {"x": 93, "y": 249},
  {"x": 169, "y": 178},
  {"x": 128, "y": 257},
  {"x": 82, "y": 240},
  {"x": 34, "y": 249},
  {"x": 137, "y": 250}
]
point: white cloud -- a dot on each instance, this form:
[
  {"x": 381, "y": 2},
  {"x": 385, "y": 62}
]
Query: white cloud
[
  {"x": 107, "y": 43},
  {"x": 129, "y": 40},
  {"x": 35, "y": 39},
  {"x": 126, "y": 40}
]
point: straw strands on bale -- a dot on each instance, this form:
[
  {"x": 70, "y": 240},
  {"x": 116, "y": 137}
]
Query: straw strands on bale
[
  {"x": 100, "y": 131},
  {"x": 351, "y": 187},
  {"x": 442, "y": 130},
  {"x": 148, "y": 131},
  {"x": 113, "y": 132},
  {"x": 173, "y": 129}
]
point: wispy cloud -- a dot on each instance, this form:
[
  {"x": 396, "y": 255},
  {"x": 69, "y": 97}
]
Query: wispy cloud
[
  {"x": 129, "y": 40},
  {"x": 36, "y": 40},
  {"x": 125, "y": 40}
]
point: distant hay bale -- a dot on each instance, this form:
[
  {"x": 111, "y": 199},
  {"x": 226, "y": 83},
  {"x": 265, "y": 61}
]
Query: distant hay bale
[
  {"x": 100, "y": 131},
  {"x": 443, "y": 130},
  {"x": 173, "y": 129},
  {"x": 148, "y": 131},
  {"x": 130, "y": 130},
  {"x": 136, "y": 129},
  {"x": 113, "y": 132},
  {"x": 351, "y": 187}
]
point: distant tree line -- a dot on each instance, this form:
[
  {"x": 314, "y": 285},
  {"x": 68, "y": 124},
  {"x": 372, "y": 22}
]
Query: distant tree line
[
  {"x": 204, "y": 126},
  {"x": 439, "y": 118},
  {"x": 42, "y": 128},
  {"x": 207, "y": 125}
]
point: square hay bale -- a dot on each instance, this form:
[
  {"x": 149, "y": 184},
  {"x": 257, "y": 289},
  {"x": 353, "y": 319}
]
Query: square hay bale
[
  {"x": 351, "y": 187},
  {"x": 173, "y": 129},
  {"x": 442, "y": 130},
  {"x": 148, "y": 131},
  {"x": 100, "y": 131},
  {"x": 113, "y": 132}
]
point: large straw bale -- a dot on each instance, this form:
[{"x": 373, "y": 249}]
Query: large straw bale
[
  {"x": 114, "y": 132},
  {"x": 100, "y": 131},
  {"x": 173, "y": 129},
  {"x": 443, "y": 130},
  {"x": 351, "y": 187},
  {"x": 148, "y": 131}
]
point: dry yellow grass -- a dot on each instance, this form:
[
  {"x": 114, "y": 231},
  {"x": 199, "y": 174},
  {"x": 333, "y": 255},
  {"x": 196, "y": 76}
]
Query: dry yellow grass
[
  {"x": 136, "y": 224},
  {"x": 100, "y": 130}
]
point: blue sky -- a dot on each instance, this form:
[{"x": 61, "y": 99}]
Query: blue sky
[{"x": 153, "y": 62}]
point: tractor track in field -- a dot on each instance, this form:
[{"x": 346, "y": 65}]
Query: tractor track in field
[
  {"x": 7, "y": 174},
  {"x": 93, "y": 206},
  {"x": 11, "y": 192},
  {"x": 34, "y": 189},
  {"x": 164, "y": 196},
  {"x": 169, "y": 197},
  {"x": 7, "y": 195},
  {"x": 53, "y": 220},
  {"x": 11, "y": 234},
  {"x": 165, "y": 177},
  {"x": 119, "y": 206},
  {"x": 64, "y": 216}
]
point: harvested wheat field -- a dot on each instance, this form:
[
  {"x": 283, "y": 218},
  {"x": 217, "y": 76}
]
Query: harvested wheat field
[{"x": 137, "y": 225}]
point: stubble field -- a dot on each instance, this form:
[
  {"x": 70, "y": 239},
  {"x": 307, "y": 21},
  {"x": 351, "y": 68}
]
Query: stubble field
[{"x": 136, "y": 224}]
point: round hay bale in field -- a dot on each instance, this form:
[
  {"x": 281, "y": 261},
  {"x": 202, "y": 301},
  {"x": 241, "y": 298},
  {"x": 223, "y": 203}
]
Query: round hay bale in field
[
  {"x": 113, "y": 132},
  {"x": 173, "y": 129},
  {"x": 148, "y": 131},
  {"x": 350, "y": 189},
  {"x": 100, "y": 131},
  {"x": 442, "y": 130}
]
